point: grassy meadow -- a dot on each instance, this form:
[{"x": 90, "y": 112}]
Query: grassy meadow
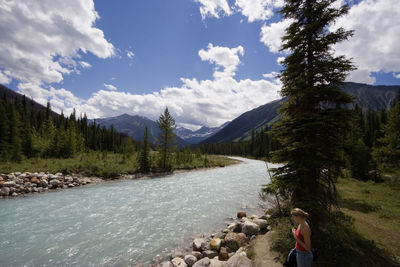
[{"x": 111, "y": 165}]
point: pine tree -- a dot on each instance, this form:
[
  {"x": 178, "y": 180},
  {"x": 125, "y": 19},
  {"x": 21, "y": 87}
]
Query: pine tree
[
  {"x": 166, "y": 124},
  {"x": 311, "y": 131},
  {"x": 388, "y": 154},
  {"x": 357, "y": 152},
  {"x": 144, "y": 163},
  {"x": 15, "y": 137},
  {"x": 4, "y": 130}
]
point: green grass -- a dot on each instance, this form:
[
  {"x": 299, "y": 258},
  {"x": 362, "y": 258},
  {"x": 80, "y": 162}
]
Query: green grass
[
  {"x": 375, "y": 208},
  {"x": 364, "y": 232},
  {"x": 103, "y": 164}
]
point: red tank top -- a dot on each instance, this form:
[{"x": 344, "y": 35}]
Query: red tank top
[{"x": 300, "y": 236}]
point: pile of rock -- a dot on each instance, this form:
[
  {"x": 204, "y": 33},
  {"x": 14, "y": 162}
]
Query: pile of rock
[
  {"x": 17, "y": 184},
  {"x": 224, "y": 249}
]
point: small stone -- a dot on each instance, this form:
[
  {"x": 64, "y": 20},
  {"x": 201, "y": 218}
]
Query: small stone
[
  {"x": 190, "y": 259},
  {"x": 166, "y": 264},
  {"x": 178, "y": 262},
  {"x": 35, "y": 180},
  {"x": 197, "y": 254},
  {"x": 253, "y": 217},
  {"x": 4, "y": 191},
  {"x": 14, "y": 194},
  {"x": 9, "y": 184},
  {"x": 199, "y": 244},
  {"x": 210, "y": 253},
  {"x": 55, "y": 183},
  {"x": 176, "y": 254},
  {"x": 223, "y": 254},
  {"x": 44, "y": 182},
  {"x": 235, "y": 227},
  {"x": 215, "y": 243},
  {"x": 204, "y": 262},
  {"x": 71, "y": 185},
  {"x": 68, "y": 179},
  {"x": 241, "y": 214}
]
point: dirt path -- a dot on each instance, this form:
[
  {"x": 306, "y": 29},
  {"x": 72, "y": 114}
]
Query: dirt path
[{"x": 264, "y": 256}]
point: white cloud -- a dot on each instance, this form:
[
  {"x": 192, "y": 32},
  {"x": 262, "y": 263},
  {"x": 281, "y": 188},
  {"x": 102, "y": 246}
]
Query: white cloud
[
  {"x": 375, "y": 44},
  {"x": 258, "y": 9},
  {"x": 279, "y": 60},
  {"x": 272, "y": 34},
  {"x": 271, "y": 75},
  {"x": 4, "y": 79},
  {"x": 84, "y": 64},
  {"x": 193, "y": 103},
  {"x": 130, "y": 54},
  {"x": 396, "y": 75},
  {"x": 224, "y": 57},
  {"x": 40, "y": 40},
  {"x": 110, "y": 87},
  {"x": 213, "y": 8}
]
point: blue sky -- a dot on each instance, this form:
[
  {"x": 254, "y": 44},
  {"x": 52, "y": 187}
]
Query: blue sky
[
  {"x": 165, "y": 37},
  {"x": 207, "y": 60}
]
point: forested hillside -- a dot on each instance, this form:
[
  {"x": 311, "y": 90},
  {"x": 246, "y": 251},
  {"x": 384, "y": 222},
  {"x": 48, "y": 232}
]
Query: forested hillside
[
  {"x": 31, "y": 132},
  {"x": 368, "y": 97}
]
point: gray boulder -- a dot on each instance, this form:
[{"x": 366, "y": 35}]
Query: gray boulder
[
  {"x": 9, "y": 184},
  {"x": 239, "y": 260},
  {"x": 218, "y": 263},
  {"x": 250, "y": 228},
  {"x": 231, "y": 242},
  {"x": 204, "y": 262},
  {"x": 55, "y": 182},
  {"x": 190, "y": 260},
  {"x": 235, "y": 227},
  {"x": 4, "y": 191},
  {"x": 263, "y": 224}
]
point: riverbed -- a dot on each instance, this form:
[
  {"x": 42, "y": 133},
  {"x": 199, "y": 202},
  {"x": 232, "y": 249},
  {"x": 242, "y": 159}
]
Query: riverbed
[{"x": 126, "y": 222}]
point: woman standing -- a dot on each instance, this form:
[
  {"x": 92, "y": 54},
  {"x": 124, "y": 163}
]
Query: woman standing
[{"x": 302, "y": 235}]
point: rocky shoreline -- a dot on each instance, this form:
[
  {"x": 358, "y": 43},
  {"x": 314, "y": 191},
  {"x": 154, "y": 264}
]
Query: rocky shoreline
[
  {"x": 226, "y": 248},
  {"x": 16, "y": 184}
]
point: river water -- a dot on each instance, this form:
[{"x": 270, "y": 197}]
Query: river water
[{"x": 125, "y": 222}]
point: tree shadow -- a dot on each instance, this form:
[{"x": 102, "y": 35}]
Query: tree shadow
[{"x": 356, "y": 205}]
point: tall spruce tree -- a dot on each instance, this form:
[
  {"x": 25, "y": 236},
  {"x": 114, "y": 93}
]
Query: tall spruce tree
[
  {"x": 144, "y": 162},
  {"x": 313, "y": 123},
  {"x": 166, "y": 124},
  {"x": 388, "y": 154}
]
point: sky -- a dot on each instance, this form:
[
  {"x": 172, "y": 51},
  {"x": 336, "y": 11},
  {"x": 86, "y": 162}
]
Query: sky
[{"x": 208, "y": 61}]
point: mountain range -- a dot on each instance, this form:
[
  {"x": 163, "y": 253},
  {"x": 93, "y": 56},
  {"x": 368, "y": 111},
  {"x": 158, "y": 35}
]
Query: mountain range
[{"x": 373, "y": 97}]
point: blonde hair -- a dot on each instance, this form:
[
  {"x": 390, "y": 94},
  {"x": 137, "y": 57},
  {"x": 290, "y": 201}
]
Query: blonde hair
[{"x": 299, "y": 212}]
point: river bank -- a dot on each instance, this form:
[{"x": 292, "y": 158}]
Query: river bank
[
  {"x": 18, "y": 184},
  {"x": 244, "y": 242}
]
